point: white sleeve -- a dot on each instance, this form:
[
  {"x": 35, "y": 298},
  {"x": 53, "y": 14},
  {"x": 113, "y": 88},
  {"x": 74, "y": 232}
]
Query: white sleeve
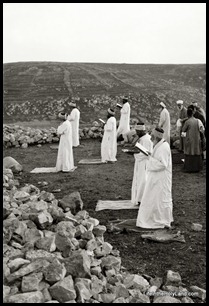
[
  {"x": 72, "y": 116},
  {"x": 161, "y": 161}
]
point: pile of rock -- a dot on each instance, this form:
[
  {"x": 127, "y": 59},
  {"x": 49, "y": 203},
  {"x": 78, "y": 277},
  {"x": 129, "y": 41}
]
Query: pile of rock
[{"x": 54, "y": 252}]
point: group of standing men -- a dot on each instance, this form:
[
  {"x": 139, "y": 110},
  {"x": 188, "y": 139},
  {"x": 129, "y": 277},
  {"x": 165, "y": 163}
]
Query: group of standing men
[{"x": 152, "y": 178}]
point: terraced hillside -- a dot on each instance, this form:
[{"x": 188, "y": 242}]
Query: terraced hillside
[{"x": 40, "y": 89}]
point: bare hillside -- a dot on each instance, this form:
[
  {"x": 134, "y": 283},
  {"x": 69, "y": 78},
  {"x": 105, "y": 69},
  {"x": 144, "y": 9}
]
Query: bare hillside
[{"x": 39, "y": 89}]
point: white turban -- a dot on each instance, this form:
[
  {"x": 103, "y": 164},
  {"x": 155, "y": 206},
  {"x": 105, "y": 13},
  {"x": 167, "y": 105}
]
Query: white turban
[
  {"x": 179, "y": 102},
  {"x": 140, "y": 127},
  {"x": 63, "y": 115},
  {"x": 111, "y": 112},
  {"x": 158, "y": 133},
  {"x": 72, "y": 104}
]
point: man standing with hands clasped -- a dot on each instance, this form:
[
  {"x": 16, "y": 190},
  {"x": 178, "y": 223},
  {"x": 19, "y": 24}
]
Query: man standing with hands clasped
[
  {"x": 65, "y": 160},
  {"x": 74, "y": 118},
  {"x": 164, "y": 122},
  {"x": 156, "y": 208},
  {"x": 109, "y": 140},
  {"x": 124, "y": 123},
  {"x": 140, "y": 171}
]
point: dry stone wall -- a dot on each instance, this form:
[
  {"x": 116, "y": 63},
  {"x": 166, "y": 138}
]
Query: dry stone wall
[{"x": 18, "y": 136}]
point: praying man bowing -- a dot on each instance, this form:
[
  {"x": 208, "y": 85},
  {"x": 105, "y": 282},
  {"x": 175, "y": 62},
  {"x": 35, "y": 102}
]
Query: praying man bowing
[
  {"x": 109, "y": 140},
  {"x": 156, "y": 208},
  {"x": 140, "y": 171}
]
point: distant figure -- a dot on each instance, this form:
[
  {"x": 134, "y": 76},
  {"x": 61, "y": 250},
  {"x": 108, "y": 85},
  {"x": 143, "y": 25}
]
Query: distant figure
[
  {"x": 140, "y": 171},
  {"x": 156, "y": 208},
  {"x": 199, "y": 109},
  {"x": 164, "y": 122},
  {"x": 182, "y": 117},
  {"x": 198, "y": 113},
  {"x": 109, "y": 140},
  {"x": 124, "y": 123},
  {"x": 74, "y": 118},
  {"x": 193, "y": 158},
  {"x": 65, "y": 161}
]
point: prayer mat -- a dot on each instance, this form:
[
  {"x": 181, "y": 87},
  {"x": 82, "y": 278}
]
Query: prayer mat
[
  {"x": 43, "y": 170},
  {"x": 54, "y": 147},
  {"x": 49, "y": 170},
  {"x": 119, "y": 204},
  {"x": 128, "y": 225},
  {"x": 90, "y": 161},
  {"x": 164, "y": 235}
]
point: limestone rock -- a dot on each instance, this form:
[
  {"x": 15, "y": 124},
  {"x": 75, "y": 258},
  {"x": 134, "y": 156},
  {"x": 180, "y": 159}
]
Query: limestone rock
[
  {"x": 32, "y": 267},
  {"x": 99, "y": 230},
  {"x": 198, "y": 292},
  {"x": 72, "y": 201},
  {"x": 77, "y": 264},
  {"x": 54, "y": 272},
  {"x": 196, "y": 227},
  {"x": 173, "y": 278},
  {"x": 63, "y": 290},
  {"x": 10, "y": 163},
  {"x": 166, "y": 299},
  {"x": 110, "y": 262},
  {"x": 134, "y": 281},
  {"x": 83, "y": 289},
  {"x": 17, "y": 263},
  {"x": 31, "y": 282},
  {"x": 46, "y": 243},
  {"x": 28, "y": 297}
]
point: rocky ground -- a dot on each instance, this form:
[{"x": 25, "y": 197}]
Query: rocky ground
[{"x": 131, "y": 254}]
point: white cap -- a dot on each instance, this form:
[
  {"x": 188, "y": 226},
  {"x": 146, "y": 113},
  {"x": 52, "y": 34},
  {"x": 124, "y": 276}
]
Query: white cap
[
  {"x": 179, "y": 102},
  {"x": 162, "y": 104},
  {"x": 140, "y": 127}
]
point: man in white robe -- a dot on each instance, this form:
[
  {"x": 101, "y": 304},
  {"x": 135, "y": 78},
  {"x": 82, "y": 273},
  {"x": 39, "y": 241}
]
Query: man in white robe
[
  {"x": 65, "y": 161},
  {"x": 156, "y": 208},
  {"x": 140, "y": 171},
  {"x": 124, "y": 123},
  {"x": 74, "y": 118},
  {"x": 109, "y": 140},
  {"x": 164, "y": 122}
]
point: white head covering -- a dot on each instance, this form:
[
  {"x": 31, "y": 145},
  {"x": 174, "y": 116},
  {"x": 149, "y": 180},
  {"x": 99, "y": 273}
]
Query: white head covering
[
  {"x": 62, "y": 115},
  {"x": 140, "y": 127},
  {"x": 158, "y": 132},
  {"x": 162, "y": 104},
  {"x": 111, "y": 112},
  {"x": 179, "y": 102},
  {"x": 72, "y": 104}
]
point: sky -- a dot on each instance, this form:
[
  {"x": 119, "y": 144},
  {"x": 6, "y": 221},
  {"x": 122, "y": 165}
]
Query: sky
[{"x": 132, "y": 33}]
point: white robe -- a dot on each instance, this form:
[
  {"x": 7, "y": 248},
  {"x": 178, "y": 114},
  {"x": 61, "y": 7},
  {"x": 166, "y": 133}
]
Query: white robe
[
  {"x": 109, "y": 141},
  {"x": 124, "y": 124},
  {"x": 74, "y": 118},
  {"x": 164, "y": 123},
  {"x": 65, "y": 161},
  {"x": 156, "y": 209},
  {"x": 140, "y": 172}
]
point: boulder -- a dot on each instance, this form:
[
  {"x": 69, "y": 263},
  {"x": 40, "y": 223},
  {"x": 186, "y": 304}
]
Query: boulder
[
  {"x": 10, "y": 163},
  {"x": 63, "y": 290},
  {"x": 72, "y": 201},
  {"x": 28, "y": 297}
]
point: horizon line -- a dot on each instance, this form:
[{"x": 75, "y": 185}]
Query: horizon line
[{"x": 46, "y": 61}]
